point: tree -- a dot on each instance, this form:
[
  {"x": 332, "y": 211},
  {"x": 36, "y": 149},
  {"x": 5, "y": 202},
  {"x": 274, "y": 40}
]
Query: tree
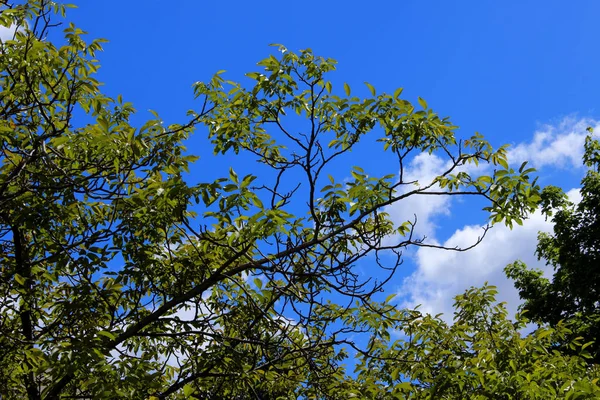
[
  {"x": 481, "y": 355},
  {"x": 574, "y": 252},
  {"x": 120, "y": 279}
]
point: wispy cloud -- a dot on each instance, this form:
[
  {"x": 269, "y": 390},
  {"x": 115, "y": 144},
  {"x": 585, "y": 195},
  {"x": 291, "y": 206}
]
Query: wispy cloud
[{"x": 559, "y": 145}]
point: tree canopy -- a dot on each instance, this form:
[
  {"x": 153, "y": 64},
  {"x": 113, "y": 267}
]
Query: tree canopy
[
  {"x": 121, "y": 279},
  {"x": 481, "y": 355}
]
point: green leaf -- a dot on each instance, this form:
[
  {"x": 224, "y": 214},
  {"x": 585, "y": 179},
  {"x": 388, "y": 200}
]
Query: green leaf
[
  {"x": 390, "y": 297},
  {"x": 188, "y": 390},
  {"x": 371, "y": 88},
  {"x": 258, "y": 282},
  {"x": 423, "y": 103},
  {"x": 543, "y": 333},
  {"x": 233, "y": 176},
  {"x": 106, "y": 334},
  {"x": 397, "y": 93},
  {"x": 347, "y": 89},
  {"x": 502, "y": 162},
  {"x": 522, "y": 166},
  {"x": 20, "y": 280}
]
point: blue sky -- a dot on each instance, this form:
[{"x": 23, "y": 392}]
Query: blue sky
[
  {"x": 497, "y": 67},
  {"x": 510, "y": 70}
]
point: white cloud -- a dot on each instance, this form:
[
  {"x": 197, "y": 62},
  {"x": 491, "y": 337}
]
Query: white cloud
[
  {"x": 574, "y": 195},
  {"x": 7, "y": 33},
  {"x": 424, "y": 168},
  {"x": 558, "y": 145},
  {"x": 441, "y": 274}
]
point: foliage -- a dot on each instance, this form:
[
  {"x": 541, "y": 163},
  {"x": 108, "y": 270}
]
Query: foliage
[
  {"x": 482, "y": 355},
  {"x": 574, "y": 252},
  {"x": 120, "y": 279}
]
